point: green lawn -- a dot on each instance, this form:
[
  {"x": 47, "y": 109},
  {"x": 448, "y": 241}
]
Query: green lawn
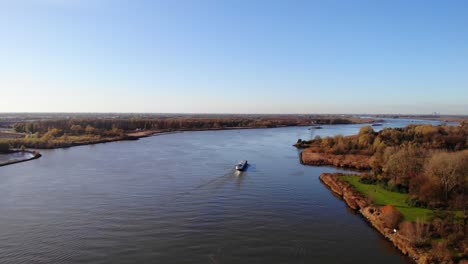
[{"x": 380, "y": 196}]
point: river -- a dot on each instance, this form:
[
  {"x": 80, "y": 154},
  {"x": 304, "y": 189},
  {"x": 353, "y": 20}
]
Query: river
[{"x": 176, "y": 198}]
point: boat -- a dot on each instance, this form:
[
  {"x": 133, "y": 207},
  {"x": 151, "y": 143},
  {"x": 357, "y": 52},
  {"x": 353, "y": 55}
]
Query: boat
[
  {"x": 315, "y": 127},
  {"x": 242, "y": 165},
  {"x": 376, "y": 124}
]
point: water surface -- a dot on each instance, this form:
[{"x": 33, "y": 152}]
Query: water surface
[{"x": 177, "y": 199}]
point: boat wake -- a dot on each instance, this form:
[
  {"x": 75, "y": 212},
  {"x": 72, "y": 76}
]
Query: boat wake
[{"x": 214, "y": 183}]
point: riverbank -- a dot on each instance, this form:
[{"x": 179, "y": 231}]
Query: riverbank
[
  {"x": 373, "y": 214},
  {"x": 73, "y": 141},
  {"x": 148, "y": 133},
  {"x": 408, "y": 181},
  {"x": 443, "y": 118},
  {"x": 62, "y": 131},
  {"x": 350, "y": 161},
  {"x": 34, "y": 155}
]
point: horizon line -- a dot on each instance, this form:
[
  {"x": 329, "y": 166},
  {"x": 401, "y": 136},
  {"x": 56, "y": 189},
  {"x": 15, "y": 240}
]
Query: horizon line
[{"x": 232, "y": 113}]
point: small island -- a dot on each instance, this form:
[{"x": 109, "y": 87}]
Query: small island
[{"x": 411, "y": 186}]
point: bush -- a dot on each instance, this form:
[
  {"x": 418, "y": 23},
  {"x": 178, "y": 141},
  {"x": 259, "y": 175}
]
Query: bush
[
  {"x": 367, "y": 178},
  {"x": 414, "y": 202},
  {"x": 441, "y": 252},
  {"x": 416, "y": 232},
  {"x": 391, "y": 216},
  {"x": 399, "y": 188}
]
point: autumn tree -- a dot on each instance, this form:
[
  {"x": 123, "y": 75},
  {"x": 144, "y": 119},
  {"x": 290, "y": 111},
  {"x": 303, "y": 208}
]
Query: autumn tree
[
  {"x": 366, "y": 136},
  {"x": 405, "y": 163},
  {"x": 449, "y": 169},
  {"x": 76, "y": 129},
  {"x": 90, "y": 130},
  {"x": 51, "y": 133}
]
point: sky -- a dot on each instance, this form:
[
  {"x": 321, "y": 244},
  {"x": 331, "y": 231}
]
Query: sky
[{"x": 239, "y": 56}]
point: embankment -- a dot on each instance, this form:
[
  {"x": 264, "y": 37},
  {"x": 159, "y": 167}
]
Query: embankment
[
  {"x": 372, "y": 213},
  {"x": 352, "y": 161},
  {"x": 34, "y": 155}
]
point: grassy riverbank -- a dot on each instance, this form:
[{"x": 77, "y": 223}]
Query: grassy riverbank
[
  {"x": 417, "y": 184},
  {"x": 381, "y": 196},
  {"x": 432, "y": 241}
]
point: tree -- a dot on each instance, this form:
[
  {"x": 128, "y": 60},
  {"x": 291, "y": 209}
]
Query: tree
[
  {"x": 76, "y": 129},
  {"x": 378, "y": 145},
  {"x": 90, "y": 130},
  {"x": 30, "y": 128},
  {"x": 327, "y": 142},
  {"x": 340, "y": 147},
  {"x": 52, "y": 133},
  {"x": 366, "y": 130},
  {"x": 449, "y": 169},
  {"x": 406, "y": 163},
  {"x": 366, "y": 136}
]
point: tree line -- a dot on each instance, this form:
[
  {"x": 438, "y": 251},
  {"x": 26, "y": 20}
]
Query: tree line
[
  {"x": 430, "y": 163},
  {"x": 79, "y": 126},
  {"x": 78, "y": 131}
]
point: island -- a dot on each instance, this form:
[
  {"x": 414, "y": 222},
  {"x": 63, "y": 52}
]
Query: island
[{"x": 410, "y": 184}]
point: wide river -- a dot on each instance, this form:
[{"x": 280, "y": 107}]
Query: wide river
[{"x": 177, "y": 199}]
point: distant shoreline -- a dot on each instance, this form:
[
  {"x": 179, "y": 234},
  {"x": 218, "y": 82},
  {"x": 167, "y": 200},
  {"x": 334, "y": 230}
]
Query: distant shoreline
[
  {"x": 55, "y": 134},
  {"x": 128, "y": 136},
  {"x": 148, "y": 133},
  {"x": 61, "y": 132}
]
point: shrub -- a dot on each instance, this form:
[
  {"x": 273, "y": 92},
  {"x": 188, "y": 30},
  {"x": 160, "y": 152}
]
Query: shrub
[
  {"x": 414, "y": 202},
  {"x": 367, "y": 178},
  {"x": 391, "y": 216},
  {"x": 416, "y": 232},
  {"x": 441, "y": 252}
]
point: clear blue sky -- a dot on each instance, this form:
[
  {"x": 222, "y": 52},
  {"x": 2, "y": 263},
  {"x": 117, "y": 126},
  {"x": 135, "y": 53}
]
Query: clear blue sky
[{"x": 236, "y": 56}]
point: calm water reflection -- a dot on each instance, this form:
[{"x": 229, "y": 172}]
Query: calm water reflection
[{"x": 177, "y": 199}]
